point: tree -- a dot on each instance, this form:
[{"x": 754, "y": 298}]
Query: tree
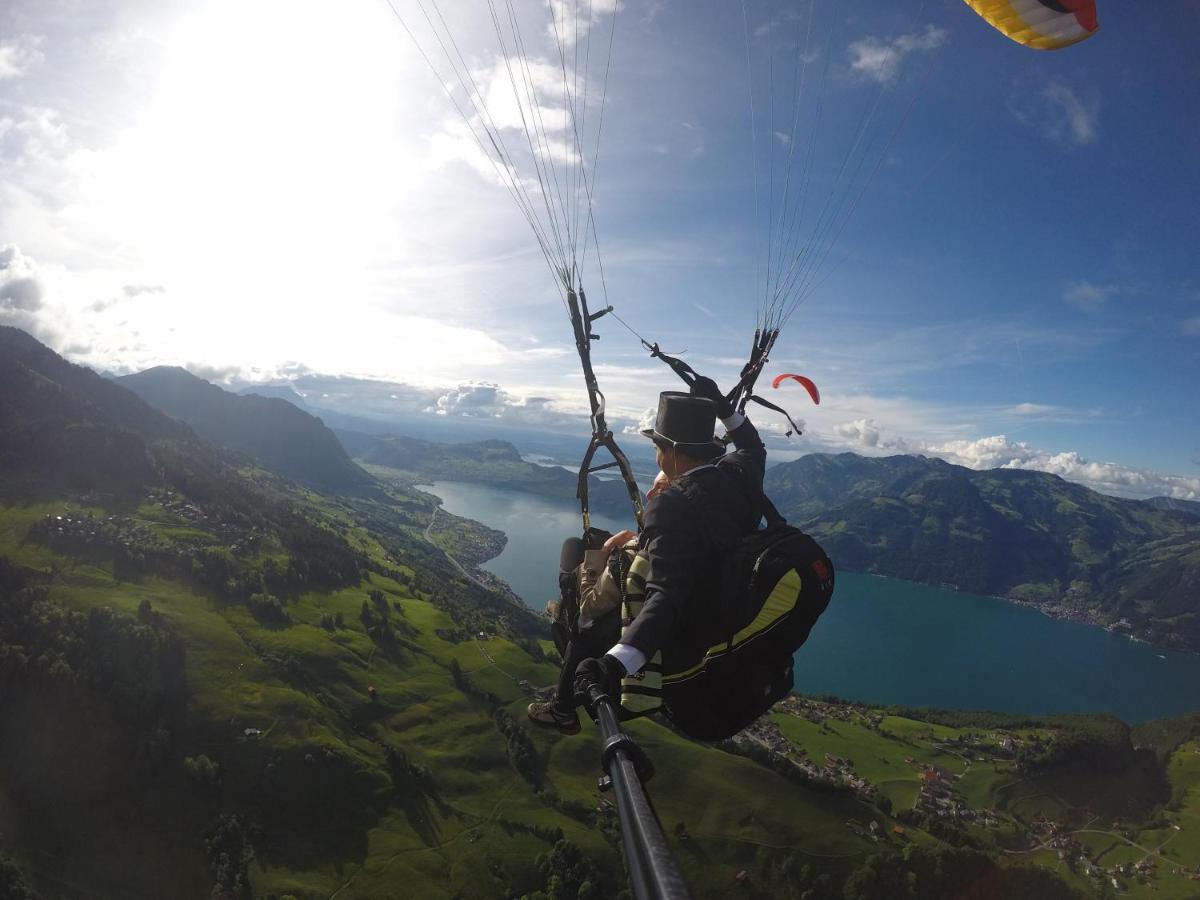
[
  {"x": 202, "y": 770},
  {"x": 12, "y": 882}
]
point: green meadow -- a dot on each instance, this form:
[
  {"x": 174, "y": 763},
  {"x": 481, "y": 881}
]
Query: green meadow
[
  {"x": 305, "y": 723},
  {"x": 372, "y": 742}
]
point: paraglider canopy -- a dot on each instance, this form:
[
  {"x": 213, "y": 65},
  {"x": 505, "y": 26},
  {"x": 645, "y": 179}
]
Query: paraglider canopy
[
  {"x": 1041, "y": 24},
  {"x": 807, "y": 383}
]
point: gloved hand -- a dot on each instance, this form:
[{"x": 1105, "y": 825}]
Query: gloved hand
[
  {"x": 706, "y": 387},
  {"x": 605, "y": 672}
]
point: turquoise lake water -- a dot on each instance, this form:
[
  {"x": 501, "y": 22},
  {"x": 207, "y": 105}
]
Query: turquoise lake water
[{"x": 888, "y": 641}]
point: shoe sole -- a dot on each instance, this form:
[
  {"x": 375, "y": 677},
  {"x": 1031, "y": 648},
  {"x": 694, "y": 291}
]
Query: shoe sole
[{"x": 567, "y": 729}]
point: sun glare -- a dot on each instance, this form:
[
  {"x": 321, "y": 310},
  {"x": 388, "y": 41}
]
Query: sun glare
[{"x": 263, "y": 183}]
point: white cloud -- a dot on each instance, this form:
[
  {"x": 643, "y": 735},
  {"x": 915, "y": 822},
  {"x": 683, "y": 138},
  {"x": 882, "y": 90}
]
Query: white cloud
[
  {"x": 23, "y": 298},
  {"x": 860, "y": 432},
  {"x": 573, "y": 20},
  {"x": 880, "y": 60},
  {"x": 645, "y": 420},
  {"x": 997, "y": 452},
  {"x": 867, "y": 436},
  {"x": 1087, "y": 295},
  {"x": 1032, "y": 409},
  {"x": 16, "y": 57},
  {"x": 1079, "y": 118},
  {"x": 20, "y": 288},
  {"x": 485, "y": 400},
  {"x": 1062, "y": 114}
]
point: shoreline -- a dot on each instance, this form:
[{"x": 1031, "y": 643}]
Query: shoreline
[{"x": 1072, "y": 613}]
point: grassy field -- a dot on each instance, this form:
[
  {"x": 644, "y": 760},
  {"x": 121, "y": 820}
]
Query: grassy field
[
  {"x": 371, "y": 773},
  {"x": 316, "y": 777}
]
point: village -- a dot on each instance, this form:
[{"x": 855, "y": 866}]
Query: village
[
  {"x": 85, "y": 530},
  {"x": 1077, "y": 857},
  {"x": 816, "y": 710},
  {"x": 187, "y": 541},
  {"x": 835, "y": 770}
]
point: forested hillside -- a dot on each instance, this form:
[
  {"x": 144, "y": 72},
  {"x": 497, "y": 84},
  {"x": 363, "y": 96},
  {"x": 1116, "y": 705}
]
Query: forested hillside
[
  {"x": 1021, "y": 534},
  {"x": 282, "y": 437}
]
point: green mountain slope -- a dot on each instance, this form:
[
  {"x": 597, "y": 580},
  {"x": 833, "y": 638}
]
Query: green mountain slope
[
  {"x": 218, "y": 684},
  {"x": 1026, "y": 535},
  {"x": 282, "y": 437}
]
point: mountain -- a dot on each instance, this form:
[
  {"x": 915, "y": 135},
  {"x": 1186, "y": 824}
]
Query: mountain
[
  {"x": 284, "y": 693},
  {"x": 1191, "y": 507},
  {"x": 283, "y": 437},
  {"x": 492, "y": 462},
  {"x": 62, "y": 424},
  {"x": 280, "y": 391},
  {"x": 1026, "y": 535}
]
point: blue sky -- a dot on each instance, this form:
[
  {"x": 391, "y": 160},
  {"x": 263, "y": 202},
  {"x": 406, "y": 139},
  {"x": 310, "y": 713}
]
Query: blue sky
[{"x": 266, "y": 192}]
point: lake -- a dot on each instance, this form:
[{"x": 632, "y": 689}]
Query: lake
[{"x": 889, "y": 641}]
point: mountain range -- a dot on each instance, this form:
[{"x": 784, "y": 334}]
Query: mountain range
[
  {"x": 219, "y": 683},
  {"x": 273, "y": 430},
  {"x": 1029, "y": 536}
]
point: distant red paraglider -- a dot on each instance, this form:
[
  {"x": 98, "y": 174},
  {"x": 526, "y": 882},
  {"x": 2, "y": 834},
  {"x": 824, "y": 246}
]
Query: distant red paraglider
[{"x": 807, "y": 382}]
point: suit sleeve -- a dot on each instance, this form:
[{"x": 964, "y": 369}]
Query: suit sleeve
[
  {"x": 676, "y": 552},
  {"x": 750, "y": 455}
]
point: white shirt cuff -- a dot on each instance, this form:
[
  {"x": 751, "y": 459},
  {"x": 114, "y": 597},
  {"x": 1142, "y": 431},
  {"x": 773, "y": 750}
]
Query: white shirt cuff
[
  {"x": 733, "y": 421},
  {"x": 630, "y": 657}
]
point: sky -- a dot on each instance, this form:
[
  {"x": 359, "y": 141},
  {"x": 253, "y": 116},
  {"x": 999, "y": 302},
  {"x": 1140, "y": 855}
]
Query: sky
[{"x": 1000, "y": 244}]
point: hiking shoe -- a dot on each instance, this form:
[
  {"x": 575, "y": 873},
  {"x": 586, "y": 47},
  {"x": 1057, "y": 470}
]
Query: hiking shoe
[{"x": 547, "y": 715}]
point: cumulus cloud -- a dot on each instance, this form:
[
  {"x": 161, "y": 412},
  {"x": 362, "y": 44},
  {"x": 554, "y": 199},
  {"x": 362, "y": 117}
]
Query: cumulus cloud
[
  {"x": 881, "y": 60},
  {"x": 998, "y": 452},
  {"x": 23, "y": 297},
  {"x": 16, "y": 57},
  {"x": 573, "y": 19},
  {"x": 215, "y": 374},
  {"x": 489, "y": 401},
  {"x": 1088, "y": 296},
  {"x": 860, "y": 433},
  {"x": 21, "y": 293},
  {"x": 869, "y": 437},
  {"x": 20, "y": 287},
  {"x": 645, "y": 420},
  {"x": 1062, "y": 114}
]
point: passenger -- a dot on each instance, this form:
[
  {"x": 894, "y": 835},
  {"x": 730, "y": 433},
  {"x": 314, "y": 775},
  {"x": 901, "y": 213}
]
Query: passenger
[
  {"x": 706, "y": 499},
  {"x": 585, "y": 621}
]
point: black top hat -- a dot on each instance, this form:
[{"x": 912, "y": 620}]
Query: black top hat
[{"x": 686, "y": 422}]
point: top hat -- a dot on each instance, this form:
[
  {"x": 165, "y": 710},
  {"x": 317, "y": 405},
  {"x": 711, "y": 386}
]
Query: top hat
[{"x": 686, "y": 422}]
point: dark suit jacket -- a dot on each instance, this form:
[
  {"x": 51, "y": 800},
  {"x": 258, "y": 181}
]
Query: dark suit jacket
[{"x": 687, "y": 528}]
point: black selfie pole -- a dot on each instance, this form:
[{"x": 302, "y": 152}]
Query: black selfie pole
[{"x": 653, "y": 874}]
